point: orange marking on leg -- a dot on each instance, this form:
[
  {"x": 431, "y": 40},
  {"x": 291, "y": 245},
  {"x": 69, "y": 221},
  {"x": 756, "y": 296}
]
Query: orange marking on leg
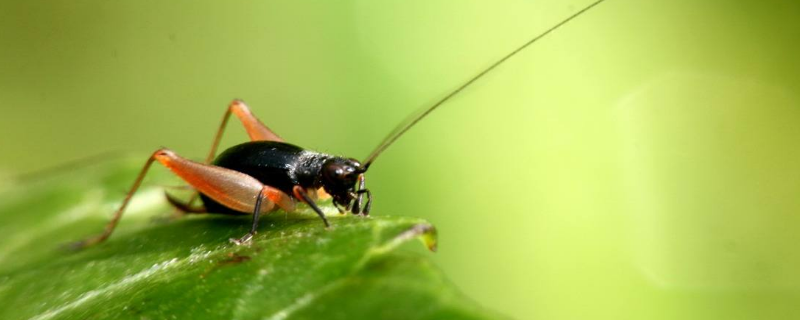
[
  {"x": 255, "y": 129},
  {"x": 296, "y": 193}
]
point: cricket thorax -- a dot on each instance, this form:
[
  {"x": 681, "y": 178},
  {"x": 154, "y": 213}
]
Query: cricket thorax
[{"x": 306, "y": 169}]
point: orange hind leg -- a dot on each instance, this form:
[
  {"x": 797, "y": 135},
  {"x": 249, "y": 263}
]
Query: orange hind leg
[
  {"x": 230, "y": 188},
  {"x": 255, "y": 129}
]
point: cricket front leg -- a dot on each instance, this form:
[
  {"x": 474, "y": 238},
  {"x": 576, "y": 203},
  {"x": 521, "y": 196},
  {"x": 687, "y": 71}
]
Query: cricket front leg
[{"x": 303, "y": 195}]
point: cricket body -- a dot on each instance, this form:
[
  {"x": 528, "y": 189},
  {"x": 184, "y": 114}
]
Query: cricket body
[
  {"x": 257, "y": 177},
  {"x": 296, "y": 171},
  {"x": 267, "y": 173}
]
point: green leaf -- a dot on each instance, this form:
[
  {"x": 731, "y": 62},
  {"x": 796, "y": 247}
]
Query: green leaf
[{"x": 157, "y": 268}]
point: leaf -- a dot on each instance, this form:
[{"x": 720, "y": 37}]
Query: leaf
[{"x": 187, "y": 269}]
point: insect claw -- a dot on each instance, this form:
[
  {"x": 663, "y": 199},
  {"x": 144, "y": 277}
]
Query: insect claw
[{"x": 243, "y": 240}]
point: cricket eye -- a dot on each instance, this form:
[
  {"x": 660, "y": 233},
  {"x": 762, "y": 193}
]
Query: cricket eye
[{"x": 335, "y": 171}]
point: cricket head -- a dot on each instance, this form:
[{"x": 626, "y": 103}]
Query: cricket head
[{"x": 343, "y": 179}]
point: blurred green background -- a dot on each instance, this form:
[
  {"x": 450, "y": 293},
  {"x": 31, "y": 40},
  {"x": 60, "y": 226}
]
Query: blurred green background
[{"x": 640, "y": 163}]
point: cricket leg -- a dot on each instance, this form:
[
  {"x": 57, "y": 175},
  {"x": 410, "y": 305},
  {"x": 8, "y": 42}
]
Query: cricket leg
[
  {"x": 118, "y": 214},
  {"x": 254, "y": 127},
  {"x": 365, "y": 211},
  {"x": 301, "y": 194},
  {"x": 264, "y": 194},
  {"x": 230, "y": 188},
  {"x": 359, "y": 201}
]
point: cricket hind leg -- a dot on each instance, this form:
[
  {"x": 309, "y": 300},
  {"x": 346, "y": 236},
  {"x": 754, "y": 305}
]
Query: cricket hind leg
[
  {"x": 256, "y": 130},
  {"x": 230, "y": 188},
  {"x": 109, "y": 228},
  {"x": 234, "y": 190},
  {"x": 254, "y": 127}
]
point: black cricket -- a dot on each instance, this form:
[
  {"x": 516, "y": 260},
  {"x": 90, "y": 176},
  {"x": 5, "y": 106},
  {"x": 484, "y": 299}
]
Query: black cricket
[
  {"x": 283, "y": 166},
  {"x": 267, "y": 173}
]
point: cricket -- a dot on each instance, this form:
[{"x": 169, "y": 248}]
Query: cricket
[{"x": 267, "y": 173}]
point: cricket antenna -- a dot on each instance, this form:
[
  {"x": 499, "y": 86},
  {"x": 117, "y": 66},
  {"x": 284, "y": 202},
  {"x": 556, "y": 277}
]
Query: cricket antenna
[{"x": 417, "y": 116}]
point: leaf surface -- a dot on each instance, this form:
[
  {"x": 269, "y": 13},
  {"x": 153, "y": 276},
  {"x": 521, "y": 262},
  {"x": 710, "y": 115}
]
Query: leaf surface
[{"x": 185, "y": 268}]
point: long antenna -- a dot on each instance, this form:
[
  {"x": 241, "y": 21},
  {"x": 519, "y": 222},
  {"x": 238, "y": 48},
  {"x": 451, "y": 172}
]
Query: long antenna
[{"x": 410, "y": 122}]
